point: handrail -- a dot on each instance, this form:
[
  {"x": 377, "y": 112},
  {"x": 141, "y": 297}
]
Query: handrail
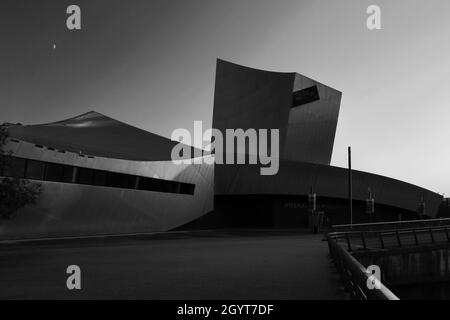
[
  {"x": 391, "y": 231},
  {"x": 428, "y": 222},
  {"x": 355, "y": 276},
  {"x": 398, "y": 236}
]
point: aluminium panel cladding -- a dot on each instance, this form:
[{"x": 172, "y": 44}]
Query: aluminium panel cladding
[
  {"x": 246, "y": 98},
  {"x": 95, "y": 134},
  {"x": 250, "y": 98},
  {"x": 296, "y": 178},
  {"x": 312, "y": 126},
  {"x": 66, "y": 209}
]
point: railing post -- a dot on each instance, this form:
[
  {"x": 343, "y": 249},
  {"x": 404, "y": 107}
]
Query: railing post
[
  {"x": 381, "y": 239},
  {"x": 363, "y": 239},
  {"x": 432, "y": 236},
  {"x": 398, "y": 238},
  {"x": 415, "y": 237},
  {"x": 349, "y": 245}
]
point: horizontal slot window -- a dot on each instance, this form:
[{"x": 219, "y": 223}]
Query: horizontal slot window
[
  {"x": 54, "y": 172},
  {"x": 187, "y": 188},
  {"x": 85, "y": 176},
  {"x": 152, "y": 184},
  {"x": 48, "y": 171},
  {"x": 120, "y": 180},
  {"x": 99, "y": 178},
  {"x": 68, "y": 174},
  {"x": 13, "y": 167},
  {"x": 35, "y": 170}
]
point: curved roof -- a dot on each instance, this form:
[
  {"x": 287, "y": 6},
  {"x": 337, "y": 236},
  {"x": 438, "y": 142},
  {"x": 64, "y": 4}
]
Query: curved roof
[{"x": 95, "y": 134}]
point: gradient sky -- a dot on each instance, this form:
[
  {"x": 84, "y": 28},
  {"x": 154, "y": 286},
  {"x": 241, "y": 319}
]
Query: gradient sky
[{"x": 152, "y": 64}]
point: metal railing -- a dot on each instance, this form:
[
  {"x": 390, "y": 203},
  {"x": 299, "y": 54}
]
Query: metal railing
[
  {"x": 391, "y": 225},
  {"x": 389, "y": 239},
  {"x": 355, "y": 276}
]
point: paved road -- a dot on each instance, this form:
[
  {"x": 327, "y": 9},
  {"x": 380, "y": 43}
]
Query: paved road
[{"x": 188, "y": 265}]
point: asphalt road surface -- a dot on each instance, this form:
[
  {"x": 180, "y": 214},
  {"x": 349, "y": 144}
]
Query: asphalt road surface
[{"x": 184, "y": 265}]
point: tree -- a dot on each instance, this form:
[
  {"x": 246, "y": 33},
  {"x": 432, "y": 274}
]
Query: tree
[{"x": 15, "y": 192}]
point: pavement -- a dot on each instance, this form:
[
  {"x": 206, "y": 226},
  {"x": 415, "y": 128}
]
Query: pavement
[{"x": 215, "y": 264}]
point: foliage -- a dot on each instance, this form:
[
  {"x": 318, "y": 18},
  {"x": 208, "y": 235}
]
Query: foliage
[{"x": 15, "y": 193}]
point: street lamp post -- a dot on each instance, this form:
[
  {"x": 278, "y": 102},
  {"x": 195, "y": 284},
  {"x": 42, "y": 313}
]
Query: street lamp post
[
  {"x": 370, "y": 204},
  {"x": 350, "y": 191}
]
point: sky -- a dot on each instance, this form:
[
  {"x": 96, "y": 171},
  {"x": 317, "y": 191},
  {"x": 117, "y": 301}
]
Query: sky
[{"x": 152, "y": 64}]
